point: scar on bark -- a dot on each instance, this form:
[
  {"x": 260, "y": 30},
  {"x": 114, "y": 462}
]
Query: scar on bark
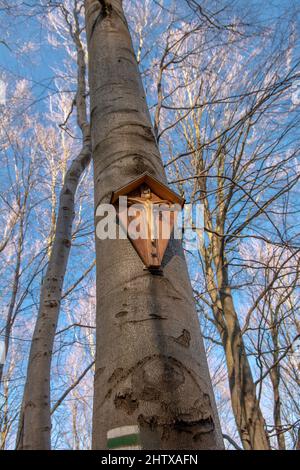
[
  {"x": 105, "y": 11},
  {"x": 140, "y": 166},
  {"x": 197, "y": 428},
  {"x": 51, "y": 303},
  {"x": 192, "y": 414},
  {"x": 195, "y": 419},
  {"x": 122, "y": 313},
  {"x": 126, "y": 401},
  {"x": 85, "y": 161},
  {"x": 116, "y": 374},
  {"x": 148, "y": 133},
  {"x": 151, "y": 317},
  {"x": 99, "y": 372},
  {"x": 184, "y": 339}
]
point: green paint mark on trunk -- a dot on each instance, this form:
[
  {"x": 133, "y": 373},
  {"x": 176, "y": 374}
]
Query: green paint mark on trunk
[{"x": 122, "y": 441}]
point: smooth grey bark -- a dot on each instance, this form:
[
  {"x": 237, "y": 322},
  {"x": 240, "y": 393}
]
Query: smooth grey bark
[
  {"x": 10, "y": 314},
  {"x": 245, "y": 405},
  {"x": 275, "y": 376},
  {"x": 151, "y": 366},
  {"x": 35, "y": 422},
  {"x": 35, "y": 418}
]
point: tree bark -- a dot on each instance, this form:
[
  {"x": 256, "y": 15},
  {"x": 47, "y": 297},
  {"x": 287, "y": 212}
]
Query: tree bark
[
  {"x": 35, "y": 426},
  {"x": 35, "y": 419},
  {"x": 15, "y": 286},
  {"x": 151, "y": 367},
  {"x": 275, "y": 376},
  {"x": 245, "y": 405}
]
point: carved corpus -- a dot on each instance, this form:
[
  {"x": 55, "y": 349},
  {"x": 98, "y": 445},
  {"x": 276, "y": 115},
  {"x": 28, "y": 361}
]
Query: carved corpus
[{"x": 147, "y": 216}]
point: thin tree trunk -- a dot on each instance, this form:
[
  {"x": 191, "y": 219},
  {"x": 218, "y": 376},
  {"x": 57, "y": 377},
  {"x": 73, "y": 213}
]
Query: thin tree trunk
[
  {"x": 15, "y": 287},
  {"x": 275, "y": 379},
  {"x": 248, "y": 417},
  {"x": 246, "y": 409},
  {"x": 151, "y": 367},
  {"x": 35, "y": 421},
  {"x": 245, "y": 405}
]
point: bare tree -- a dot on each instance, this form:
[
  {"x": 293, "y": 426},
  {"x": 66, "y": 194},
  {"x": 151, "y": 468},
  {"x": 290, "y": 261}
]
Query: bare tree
[
  {"x": 161, "y": 382},
  {"x": 35, "y": 421},
  {"x": 234, "y": 184}
]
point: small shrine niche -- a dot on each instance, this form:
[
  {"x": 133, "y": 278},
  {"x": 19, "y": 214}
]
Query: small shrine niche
[{"x": 152, "y": 206}]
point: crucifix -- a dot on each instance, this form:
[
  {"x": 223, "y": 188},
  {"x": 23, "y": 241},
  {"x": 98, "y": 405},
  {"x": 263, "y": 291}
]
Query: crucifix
[{"x": 151, "y": 195}]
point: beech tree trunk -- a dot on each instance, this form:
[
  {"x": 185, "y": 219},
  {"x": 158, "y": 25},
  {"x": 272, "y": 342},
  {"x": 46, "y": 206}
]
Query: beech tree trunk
[
  {"x": 245, "y": 405},
  {"x": 15, "y": 286},
  {"x": 275, "y": 376},
  {"x": 35, "y": 423},
  {"x": 35, "y": 419},
  {"x": 151, "y": 367}
]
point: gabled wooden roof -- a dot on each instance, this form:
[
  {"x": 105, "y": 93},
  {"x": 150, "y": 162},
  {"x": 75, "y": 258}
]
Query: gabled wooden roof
[{"x": 156, "y": 186}]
